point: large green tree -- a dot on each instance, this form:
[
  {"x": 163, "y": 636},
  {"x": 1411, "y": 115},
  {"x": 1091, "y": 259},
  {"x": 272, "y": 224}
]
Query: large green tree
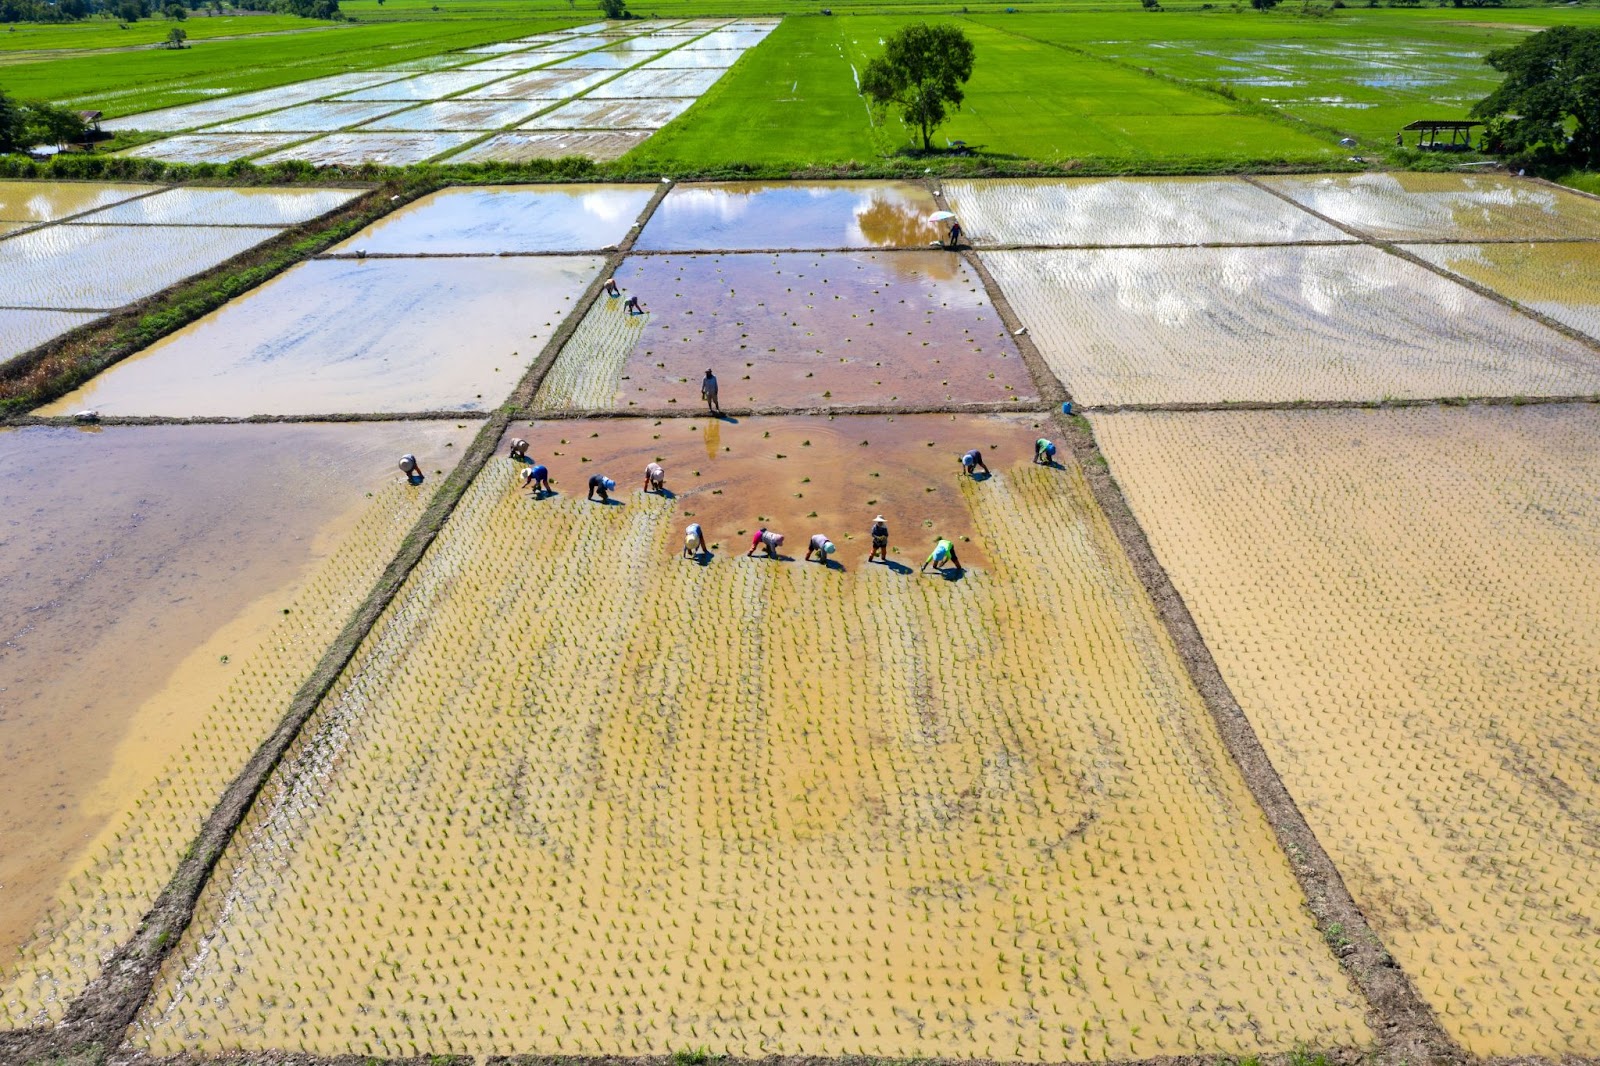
[
  {"x": 922, "y": 70},
  {"x": 1549, "y": 103},
  {"x": 12, "y": 124}
]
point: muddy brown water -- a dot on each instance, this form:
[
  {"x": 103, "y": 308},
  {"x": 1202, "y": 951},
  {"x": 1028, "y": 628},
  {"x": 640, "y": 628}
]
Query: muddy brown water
[
  {"x": 347, "y": 335},
  {"x": 817, "y": 329},
  {"x": 1561, "y": 280},
  {"x": 45, "y": 201},
  {"x": 126, "y": 549},
  {"x": 798, "y": 475},
  {"x": 508, "y": 218},
  {"x": 750, "y": 215},
  {"x": 1405, "y": 206},
  {"x": 226, "y": 207}
]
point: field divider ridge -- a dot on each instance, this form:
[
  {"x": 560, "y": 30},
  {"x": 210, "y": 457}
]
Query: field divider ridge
[
  {"x": 689, "y": 411},
  {"x": 1397, "y": 249},
  {"x": 31, "y": 227},
  {"x": 248, "y": 420},
  {"x": 1052, "y": 391},
  {"x": 1203, "y": 406},
  {"x": 99, "y": 1018}
]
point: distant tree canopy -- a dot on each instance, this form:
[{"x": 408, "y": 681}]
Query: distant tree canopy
[
  {"x": 1548, "y": 107},
  {"x": 922, "y": 71},
  {"x": 614, "y": 9},
  {"x": 23, "y": 125},
  {"x": 134, "y": 10}
]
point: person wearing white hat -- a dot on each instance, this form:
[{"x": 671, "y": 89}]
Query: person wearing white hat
[
  {"x": 880, "y": 540},
  {"x": 519, "y": 448},
  {"x": 820, "y": 546},
  {"x": 603, "y": 485},
  {"x": 409, "y": 467},
  {"x": 655, "y": 478}
]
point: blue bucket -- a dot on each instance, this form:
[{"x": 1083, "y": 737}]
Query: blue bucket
[{"x": 1066, "y": 408}]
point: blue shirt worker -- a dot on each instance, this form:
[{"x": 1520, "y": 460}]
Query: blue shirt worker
[
  {"x": 972, "y": 461},
  {"x": 537, "y": 478}
]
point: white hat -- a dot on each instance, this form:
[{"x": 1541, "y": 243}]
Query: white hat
[
  {"x": 828, "y": 547},
  {"x": 608, "y": 483},
  {"x": 878, "y": 519}
]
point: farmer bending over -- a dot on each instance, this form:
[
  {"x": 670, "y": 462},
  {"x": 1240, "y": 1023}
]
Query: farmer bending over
[
  {"x": 603, "y": 485},
  {"x": 972, "y": 461},
  {"x": 943, "y": 552}
]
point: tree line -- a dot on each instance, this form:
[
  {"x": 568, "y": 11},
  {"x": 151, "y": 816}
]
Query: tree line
[{"x": 134, "y": 10}]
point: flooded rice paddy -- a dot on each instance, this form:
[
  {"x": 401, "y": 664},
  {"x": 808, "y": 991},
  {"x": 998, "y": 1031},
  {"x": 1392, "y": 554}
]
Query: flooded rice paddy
[
  {"x": 521, "y": 147},
  {"x": 506, "y": 85},
  {"x": 153, "y": 629},
  {"x": 75, "y": 268},
  {"x": 459, "y": 115},
  {"x": 424, "y": 86},
  {"x": 649, "y": 84},
  {"x": 312, "y": 118},
  {"x": 752, "y": 215},
  {"x": 1404, "y": 206},
  {"x": 47, "y": 201},
  {"x": 1129, "y": 211},
  {"x": 388, "y": 149},
  {"x": 585, "y": 113},
  {"x": 507, "y": 218},
  {"x": 342, "y": 335},
  {"x": 1559, "y": 280},
  {"x": 226, "y": 207},
  {"x": 242, "y": 105},
  {"x": 213, "y": 147},
  {"x": 796, "y": 329},
  {"x": 1277, "y": 324},
  {"x": 21, "y": 330},
  {"x": 1407, "y": 606},
  {"x": 882, "y": 813}
]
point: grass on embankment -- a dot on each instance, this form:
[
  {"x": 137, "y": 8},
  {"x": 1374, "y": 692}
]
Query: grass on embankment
[{"x": 122, "y": 83}]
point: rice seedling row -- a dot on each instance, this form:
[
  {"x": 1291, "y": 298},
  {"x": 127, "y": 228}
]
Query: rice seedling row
[
  {"x": 1403, "y": 602},
  {"x": 821, "y": 832}
]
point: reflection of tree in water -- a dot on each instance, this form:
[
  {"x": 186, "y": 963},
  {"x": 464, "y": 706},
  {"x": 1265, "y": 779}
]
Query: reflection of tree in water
[{"x": 885, "y": 221}]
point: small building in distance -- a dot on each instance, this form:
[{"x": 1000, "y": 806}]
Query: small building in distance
[{"x": 1431, "y": 134}]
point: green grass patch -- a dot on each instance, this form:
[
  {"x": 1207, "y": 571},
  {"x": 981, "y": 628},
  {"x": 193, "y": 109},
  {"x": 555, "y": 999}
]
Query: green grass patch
[
  {"x": 110, "y": 33},
  {"x": 794, "y": 100},
  {"x": 1361, "y": 72}
]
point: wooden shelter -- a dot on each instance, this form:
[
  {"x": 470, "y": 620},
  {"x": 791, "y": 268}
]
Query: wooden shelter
[{"x": 1431, "y": 134}]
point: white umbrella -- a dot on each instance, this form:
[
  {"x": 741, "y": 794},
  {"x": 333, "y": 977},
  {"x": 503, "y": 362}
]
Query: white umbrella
[{"x": 941, "y": 216}]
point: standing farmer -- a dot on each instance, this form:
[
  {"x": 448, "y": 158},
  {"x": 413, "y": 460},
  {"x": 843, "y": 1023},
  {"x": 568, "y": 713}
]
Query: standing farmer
[
  {"x": 708, "y": 393},
  {"x": 880, "y": 540}
]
